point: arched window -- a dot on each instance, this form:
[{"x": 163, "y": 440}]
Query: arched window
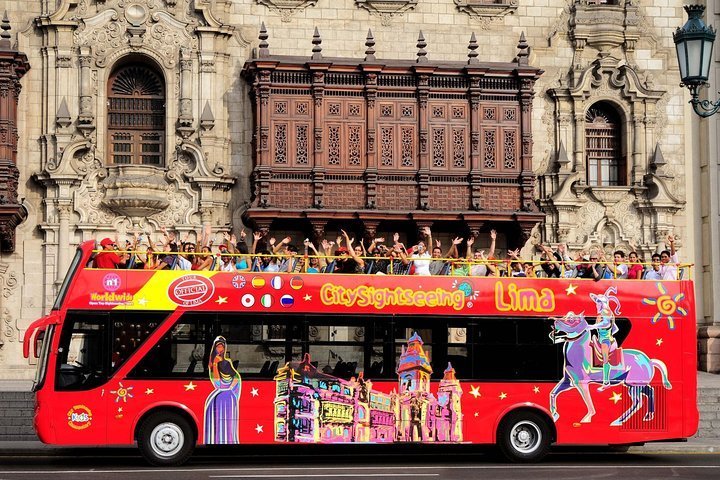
[
  {"x": 136, "y": 116},
  {"x": 603, "y": 148}
]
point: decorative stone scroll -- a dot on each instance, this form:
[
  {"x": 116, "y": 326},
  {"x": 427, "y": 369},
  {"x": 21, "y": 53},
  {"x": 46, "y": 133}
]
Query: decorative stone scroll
[
  {"x": 386, "y": 9},
  {"x": 487, "y": 11},
  {"x": 287, "y": 8}
]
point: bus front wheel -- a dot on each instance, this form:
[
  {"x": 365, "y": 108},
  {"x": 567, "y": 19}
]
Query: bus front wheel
[
  {"x": 165, "y": 439},
  {"x": 524, "y": 437}
]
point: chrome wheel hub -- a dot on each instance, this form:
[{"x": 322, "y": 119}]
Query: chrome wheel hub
[{"x": 167, "y": 439}]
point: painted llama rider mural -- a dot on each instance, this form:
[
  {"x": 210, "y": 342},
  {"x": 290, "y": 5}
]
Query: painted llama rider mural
[
  {"x": 221, "y": 406},
  {"x": 585, "y": 343}
]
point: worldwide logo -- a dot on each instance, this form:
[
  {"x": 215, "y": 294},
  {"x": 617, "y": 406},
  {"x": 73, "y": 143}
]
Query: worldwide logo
[
  {"x": 79, "y": 417},
  {"x": 191, "y": 290},
  {"x": 111, "y": 282}
]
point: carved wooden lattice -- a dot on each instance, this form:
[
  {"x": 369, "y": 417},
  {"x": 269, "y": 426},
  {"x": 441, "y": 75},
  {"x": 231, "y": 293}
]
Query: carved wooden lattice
[
  {"x": 386, "y": 142},
  {"x": 438, "y": 139},
  {"x": 449, "y": 140},
  {"x": 281, "y": 144},
  {"x": 301, "y": 156},
  {"x": 489, "y": 148},
  {"x": 510, "y": 147}
]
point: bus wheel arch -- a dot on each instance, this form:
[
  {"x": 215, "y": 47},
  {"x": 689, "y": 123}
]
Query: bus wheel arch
[
  {"x": 525, "y": 434},
  {"x": 166, "y": 436}
]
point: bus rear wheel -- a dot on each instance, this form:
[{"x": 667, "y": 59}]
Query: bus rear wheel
[
  {"x": 165, "y": 439},
  {"x": 524, "y": 437}
]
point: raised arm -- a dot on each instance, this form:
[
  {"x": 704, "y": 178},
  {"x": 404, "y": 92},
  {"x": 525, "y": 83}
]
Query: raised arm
[
  {"x": 469, "y": 253},
  {"x": 281, "y": 245},
  {"x": 428, "y": 238},
  {"x": 452, "y": 251},
  {"x": 493, "y": 237},
  {"x": 349, "y": 241}
]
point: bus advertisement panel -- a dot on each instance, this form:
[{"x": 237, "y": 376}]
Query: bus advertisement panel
[{"x": 171, "y": 359}]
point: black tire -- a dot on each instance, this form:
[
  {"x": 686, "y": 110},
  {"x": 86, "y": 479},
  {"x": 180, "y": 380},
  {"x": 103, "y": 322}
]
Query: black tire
[
  {"x": 524, "y": 437},
  {"x": 165, "y": 439}
]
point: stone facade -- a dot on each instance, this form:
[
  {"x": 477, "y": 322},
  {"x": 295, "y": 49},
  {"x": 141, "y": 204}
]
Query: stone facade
[
  {"x": 704, "y": 185},
  {"x": 616, "y": 52}
]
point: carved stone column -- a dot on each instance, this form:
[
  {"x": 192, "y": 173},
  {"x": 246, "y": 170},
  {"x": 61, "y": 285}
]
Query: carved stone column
[
  {"x": 185, "y": 118},
  {"x": 64, "y": 209},
  {"x": 637, "y": 155},
  {"x": 86, "y": 117},
  {"x": 13, "y": 65},
  {"x": 578, "y": 161}
]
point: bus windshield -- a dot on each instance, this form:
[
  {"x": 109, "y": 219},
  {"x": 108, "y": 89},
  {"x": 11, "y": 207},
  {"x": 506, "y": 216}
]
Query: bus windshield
[{"x": 68, "y": 278}]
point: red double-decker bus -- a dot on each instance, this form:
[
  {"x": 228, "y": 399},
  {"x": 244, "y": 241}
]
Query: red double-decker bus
[{"x": 176, "y": 359}]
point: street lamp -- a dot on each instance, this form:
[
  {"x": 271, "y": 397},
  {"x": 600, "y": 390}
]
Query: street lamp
[{"x": 694, "y": 44}]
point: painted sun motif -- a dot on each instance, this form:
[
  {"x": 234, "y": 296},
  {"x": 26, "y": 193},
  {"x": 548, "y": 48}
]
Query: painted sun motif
[
  {"x": 123, "y": 393},
  {"x": 667, "y": 305}
]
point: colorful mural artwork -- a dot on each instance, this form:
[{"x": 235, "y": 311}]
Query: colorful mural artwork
[
  {"x": 221, "y": 406},
  {"x": 597, "y": 359},
  {"x": 313, "y": 407}
]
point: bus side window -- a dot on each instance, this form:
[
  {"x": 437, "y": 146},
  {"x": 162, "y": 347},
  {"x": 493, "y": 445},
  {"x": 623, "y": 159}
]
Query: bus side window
[
  {"x": 129, "y": 331},
  {"x": 337, "y": 345},
  {"x": 258, "y": 344},
  {"x": 182, "y": 352},
  {"x": 516, "y": 349},
  {"x": 459, "y": 350}
]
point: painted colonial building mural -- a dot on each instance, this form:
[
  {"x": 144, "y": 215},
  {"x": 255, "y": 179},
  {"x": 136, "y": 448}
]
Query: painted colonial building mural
[{"x": 314, "y": 407}]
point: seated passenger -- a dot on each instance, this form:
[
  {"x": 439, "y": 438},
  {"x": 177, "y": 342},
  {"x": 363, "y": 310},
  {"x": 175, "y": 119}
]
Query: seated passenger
[
  {"x": 654, "y": 272},
  {"x": 635, "y": 268}
]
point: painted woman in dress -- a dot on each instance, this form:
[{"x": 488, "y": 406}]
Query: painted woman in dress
[{"x": 221, "y": 406}]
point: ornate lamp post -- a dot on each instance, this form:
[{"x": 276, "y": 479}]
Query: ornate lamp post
[{"x": 694, "y": 44}]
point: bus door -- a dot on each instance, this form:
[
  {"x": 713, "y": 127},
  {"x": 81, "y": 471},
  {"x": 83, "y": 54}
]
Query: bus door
[{"x": 80, "y": 401}]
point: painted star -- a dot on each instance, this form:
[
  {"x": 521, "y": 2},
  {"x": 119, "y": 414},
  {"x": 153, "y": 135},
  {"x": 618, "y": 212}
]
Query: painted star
[
  {"x": 221, "y": 300},
  {"x": 254, "y": 392},
  {"x": 536, "y": 389},
  {"x": 477, "y": 414},
  {"x": 475, "y": 391},
  {"x": 259, "y": 428},
  {"x": 307, "y": 297},
  {"x": 659, "y": 342},
  {"x": 119, "y": 409},
  {"x": 149, "y": 391},
  {"x": 616, "y": 397},
  {"x": 502, "y": 395},
  {"x": 190, "y": 386},
  {"x": 142, "y": 301},
  {"x": 570, "y": 290}
]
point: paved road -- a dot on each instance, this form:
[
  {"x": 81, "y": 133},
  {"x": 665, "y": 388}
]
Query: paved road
[{"x": 125, "y": 464}]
